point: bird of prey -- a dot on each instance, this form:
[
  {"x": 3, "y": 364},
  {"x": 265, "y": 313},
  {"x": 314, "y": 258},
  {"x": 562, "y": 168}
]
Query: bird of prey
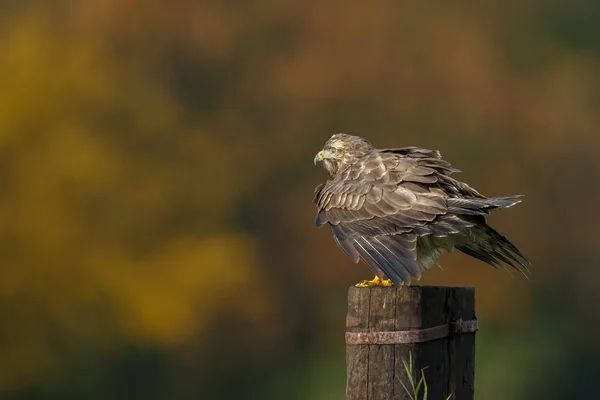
[{"x": 398, "y": 209}]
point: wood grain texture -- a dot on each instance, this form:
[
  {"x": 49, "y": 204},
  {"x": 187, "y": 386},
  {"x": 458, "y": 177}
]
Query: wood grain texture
[{"x": 375, "y": 372}]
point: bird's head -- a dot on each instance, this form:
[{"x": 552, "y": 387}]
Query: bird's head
[{"x": 341, "y": 150}]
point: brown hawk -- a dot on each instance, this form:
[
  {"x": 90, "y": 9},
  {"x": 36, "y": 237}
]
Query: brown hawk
[{"x": 397, "y": 210}]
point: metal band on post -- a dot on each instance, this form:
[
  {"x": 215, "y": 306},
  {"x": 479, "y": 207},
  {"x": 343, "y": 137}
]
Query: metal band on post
[{"x": 413, "y": 336}]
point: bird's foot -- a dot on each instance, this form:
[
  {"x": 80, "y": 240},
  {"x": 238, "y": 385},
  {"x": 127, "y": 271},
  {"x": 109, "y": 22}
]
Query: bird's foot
[{"x": 375, "y": 282}]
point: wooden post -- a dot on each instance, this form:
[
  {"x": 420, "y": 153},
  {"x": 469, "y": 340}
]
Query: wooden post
[{"x": 435, "y": 326}]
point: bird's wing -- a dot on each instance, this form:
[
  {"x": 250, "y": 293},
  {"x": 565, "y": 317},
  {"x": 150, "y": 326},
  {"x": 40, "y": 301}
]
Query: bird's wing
[{"x": 379, "y": 204}]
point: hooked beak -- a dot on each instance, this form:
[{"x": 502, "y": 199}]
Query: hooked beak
[
  {"x": 323, "y": 154},
  {"x": 318, "y": 157}
]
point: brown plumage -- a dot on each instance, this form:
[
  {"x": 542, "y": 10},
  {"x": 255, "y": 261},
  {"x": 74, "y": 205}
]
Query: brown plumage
[{"x": 398, "y": 209}]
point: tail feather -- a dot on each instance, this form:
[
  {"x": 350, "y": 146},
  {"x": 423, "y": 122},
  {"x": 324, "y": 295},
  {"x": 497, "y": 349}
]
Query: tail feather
[
  {"x": 486, "y": 258},
  {"x": 495, "y": 249}
]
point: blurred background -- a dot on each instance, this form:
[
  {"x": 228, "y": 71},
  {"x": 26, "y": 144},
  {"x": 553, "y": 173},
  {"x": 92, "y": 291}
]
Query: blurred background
[{"x": 156, "y": 216}]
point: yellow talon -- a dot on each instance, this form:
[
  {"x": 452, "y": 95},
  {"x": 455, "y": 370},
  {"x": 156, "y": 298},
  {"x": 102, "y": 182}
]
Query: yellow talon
[{"x": 375, "y": 282}]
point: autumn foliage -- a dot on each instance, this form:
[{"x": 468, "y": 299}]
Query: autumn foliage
[{"x": 156, "y": 222}]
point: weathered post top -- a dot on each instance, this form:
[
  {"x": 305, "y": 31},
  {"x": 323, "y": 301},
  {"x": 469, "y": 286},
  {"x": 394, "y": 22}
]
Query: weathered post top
[{"x": 431, "y": 327}]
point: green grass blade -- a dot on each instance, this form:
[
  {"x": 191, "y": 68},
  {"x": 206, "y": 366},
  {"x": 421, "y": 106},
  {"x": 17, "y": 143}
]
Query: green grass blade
[
  {"x": 424, "y": 383},
  {"x": 406, "y": 390}
]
